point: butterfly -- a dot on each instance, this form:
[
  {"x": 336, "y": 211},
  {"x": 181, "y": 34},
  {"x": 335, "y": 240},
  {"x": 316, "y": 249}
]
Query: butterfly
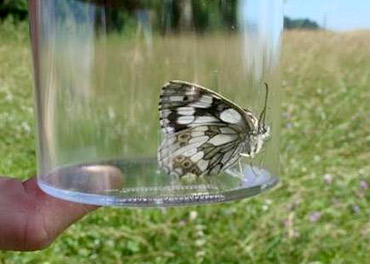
[{"x": 203, "y": 132}]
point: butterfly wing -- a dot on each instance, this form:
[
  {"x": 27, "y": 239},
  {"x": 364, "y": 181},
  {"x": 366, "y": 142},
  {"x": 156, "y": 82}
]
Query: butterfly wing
[{"x": 203, "y": 132}]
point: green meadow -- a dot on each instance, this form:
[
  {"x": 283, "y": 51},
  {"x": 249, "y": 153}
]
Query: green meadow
[{"x": 319, "y": 213}]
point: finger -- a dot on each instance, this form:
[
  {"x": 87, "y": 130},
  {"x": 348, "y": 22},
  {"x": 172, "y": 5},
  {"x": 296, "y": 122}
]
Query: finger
[
  {"x": 31, "y": 219},
  {"x": 56, "y": 214}
]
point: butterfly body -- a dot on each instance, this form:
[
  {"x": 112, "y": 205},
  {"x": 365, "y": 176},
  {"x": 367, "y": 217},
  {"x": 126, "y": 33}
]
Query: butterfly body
[{"x": 204, "y": 132}]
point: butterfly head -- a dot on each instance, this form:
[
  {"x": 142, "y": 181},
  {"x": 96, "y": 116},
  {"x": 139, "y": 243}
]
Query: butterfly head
[
  {"x": 256, "y": 140},
  {"x": 263, "y": 131},
  {"x": 260, "y": 133}
]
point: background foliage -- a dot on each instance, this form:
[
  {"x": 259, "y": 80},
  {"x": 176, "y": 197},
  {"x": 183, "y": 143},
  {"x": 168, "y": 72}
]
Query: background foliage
[
  {"x": 205, "y": 13},
  {"x": 15, "y": 8}
]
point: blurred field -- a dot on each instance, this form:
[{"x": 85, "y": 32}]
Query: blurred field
[{"x": 319, "y": 213}]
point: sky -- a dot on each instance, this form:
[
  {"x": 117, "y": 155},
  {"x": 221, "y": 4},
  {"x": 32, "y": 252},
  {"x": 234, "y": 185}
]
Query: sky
[{"x": 338, "y": 15}]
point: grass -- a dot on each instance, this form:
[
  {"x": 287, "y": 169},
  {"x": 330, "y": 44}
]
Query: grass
[{"x": 318, "y": 214}]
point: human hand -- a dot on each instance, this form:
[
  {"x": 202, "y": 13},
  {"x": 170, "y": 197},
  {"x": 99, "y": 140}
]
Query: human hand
[{"x": 31, "y": 219}]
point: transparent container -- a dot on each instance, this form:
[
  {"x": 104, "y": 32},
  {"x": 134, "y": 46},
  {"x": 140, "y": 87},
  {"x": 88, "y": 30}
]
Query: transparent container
[{"x": 156, "y": 103}]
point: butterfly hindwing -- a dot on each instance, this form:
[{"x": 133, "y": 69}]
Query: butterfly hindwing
[
  {"x": 192, "y": 151},
  {"x": 203, "y": 132}
]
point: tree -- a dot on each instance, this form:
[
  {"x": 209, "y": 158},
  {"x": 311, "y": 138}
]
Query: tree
[
  {"x": 16, "y": 8},
  {"x": 300, "y": 24}
]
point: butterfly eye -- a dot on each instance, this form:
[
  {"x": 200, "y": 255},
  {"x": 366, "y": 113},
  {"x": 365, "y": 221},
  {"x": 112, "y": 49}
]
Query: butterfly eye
[
  {"x": 186, "y": 164},
  {"x": 263, "y": 129}
]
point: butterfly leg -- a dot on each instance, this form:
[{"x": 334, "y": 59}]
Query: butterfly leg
[
  {"x": 250, "y": 158},
  {"x": 240, "y": 169}
]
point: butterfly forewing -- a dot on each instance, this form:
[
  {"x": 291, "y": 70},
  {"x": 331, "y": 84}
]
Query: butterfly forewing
[{"x": 203, "y": 132}]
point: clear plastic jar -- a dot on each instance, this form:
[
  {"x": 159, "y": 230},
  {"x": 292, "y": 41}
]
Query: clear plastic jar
[{"x": 102, "y": 68}]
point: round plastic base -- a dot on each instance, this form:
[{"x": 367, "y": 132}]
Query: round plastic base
[{"x": 118, "y": 183}]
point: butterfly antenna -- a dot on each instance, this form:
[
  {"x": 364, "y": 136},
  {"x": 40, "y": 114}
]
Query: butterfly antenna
[{"x": 263, "y": 113}]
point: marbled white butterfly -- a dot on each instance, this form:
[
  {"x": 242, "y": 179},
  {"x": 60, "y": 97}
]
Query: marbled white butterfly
[{"x": 204, "y": 132}]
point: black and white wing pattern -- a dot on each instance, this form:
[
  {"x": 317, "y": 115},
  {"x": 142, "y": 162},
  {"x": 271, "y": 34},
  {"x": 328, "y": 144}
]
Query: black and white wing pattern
[{"x": 203, "y": 132}]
